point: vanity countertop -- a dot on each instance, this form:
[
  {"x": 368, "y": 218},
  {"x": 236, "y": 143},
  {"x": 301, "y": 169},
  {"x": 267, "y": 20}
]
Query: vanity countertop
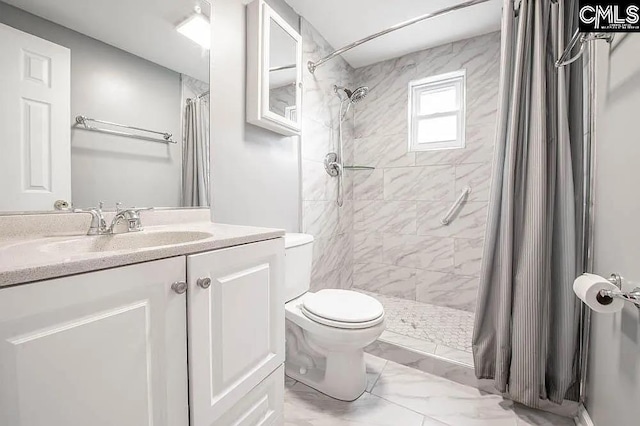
[{"x": 25, "y": 259}]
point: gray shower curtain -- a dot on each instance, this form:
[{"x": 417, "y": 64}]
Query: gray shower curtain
[
  {"x": 195, "y": 154},
  {"x": 526, "y": 328}
]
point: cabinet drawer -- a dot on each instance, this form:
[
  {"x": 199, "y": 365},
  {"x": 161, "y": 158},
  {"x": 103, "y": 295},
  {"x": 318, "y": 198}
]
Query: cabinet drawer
[
  {"x": 263, "y": 406},
  {"x": 236, "y": 324}
]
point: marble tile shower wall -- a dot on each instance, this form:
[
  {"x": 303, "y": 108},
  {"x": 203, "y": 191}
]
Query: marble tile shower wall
[
  {"x": 332, "y": 226},
  {"x": 400, "y": 247}
]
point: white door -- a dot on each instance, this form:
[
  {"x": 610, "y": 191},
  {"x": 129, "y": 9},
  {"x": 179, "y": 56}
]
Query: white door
[
  {"x": 236, "y": 325},
  {"x": 35, "y": 128},
  {"x": 102, "y": 349}
]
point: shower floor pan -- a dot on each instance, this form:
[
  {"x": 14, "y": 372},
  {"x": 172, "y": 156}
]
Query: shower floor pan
[{"x": 422, "y": 328}]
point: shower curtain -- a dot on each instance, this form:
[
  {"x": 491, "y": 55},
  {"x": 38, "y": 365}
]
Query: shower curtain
[
  {"x": 195, "y": 154},
  {"x": 526, "y": 326}
]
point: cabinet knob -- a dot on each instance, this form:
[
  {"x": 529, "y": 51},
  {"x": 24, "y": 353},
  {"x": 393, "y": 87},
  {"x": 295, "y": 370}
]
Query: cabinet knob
[
  {"x": 179, "y": 287},
  {"x": 204, "y": 282}
]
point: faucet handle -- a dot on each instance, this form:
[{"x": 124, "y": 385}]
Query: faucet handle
[
  {"x": 96, "y": 211},
  {"x": 118, "y": 207},
  {"x": 132, "y": 215},
  {"x": 98, "y": 225}
]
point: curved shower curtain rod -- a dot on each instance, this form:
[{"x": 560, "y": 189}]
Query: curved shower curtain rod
[{"x": 313, "y": 65}]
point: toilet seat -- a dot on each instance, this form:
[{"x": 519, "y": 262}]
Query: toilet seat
[{"x": 343, "y": 309}]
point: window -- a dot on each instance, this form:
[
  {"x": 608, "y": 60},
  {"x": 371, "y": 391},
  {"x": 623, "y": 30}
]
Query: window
[{"x": 436, "y": 112}]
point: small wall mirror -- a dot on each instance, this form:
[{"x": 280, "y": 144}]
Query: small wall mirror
[{"x": 273, "y": 71}]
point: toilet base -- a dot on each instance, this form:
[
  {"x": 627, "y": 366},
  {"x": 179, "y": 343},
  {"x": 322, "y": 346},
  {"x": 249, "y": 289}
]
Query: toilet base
[{"x": 340, "y": 375}]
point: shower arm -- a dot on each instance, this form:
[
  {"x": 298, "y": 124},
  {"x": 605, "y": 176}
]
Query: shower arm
[{"x": 313, "y": 65}]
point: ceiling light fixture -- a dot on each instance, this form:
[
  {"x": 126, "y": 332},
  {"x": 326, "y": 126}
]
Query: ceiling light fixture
[{"x": 197, "y": 28}]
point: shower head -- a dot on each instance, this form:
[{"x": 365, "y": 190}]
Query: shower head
[
  {"x": 352, "y": 96},
  {"x": 359, "y": 94}
]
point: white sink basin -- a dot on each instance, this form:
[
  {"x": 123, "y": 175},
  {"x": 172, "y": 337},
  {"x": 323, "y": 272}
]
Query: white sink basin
[{"x": 126, "y": 241}]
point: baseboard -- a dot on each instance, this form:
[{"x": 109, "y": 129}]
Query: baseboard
[{"x": 583, "y": 418}]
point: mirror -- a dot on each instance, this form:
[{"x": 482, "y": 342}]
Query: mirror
[
  {"x": 104, "y": 102},
  {"x": 274, "y": 72},
  {"x": 282, "y": 72}
]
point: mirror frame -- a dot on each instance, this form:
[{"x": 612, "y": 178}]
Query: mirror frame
[{"x": 259, "y": 16}]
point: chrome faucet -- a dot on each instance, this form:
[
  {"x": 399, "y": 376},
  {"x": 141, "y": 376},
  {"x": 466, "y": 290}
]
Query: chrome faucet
[{"x": 99, "y": 224}]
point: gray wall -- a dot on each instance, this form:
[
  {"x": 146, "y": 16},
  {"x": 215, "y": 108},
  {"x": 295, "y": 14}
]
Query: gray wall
[
  {"x": 613, "y": 393},
  {"x": 110, "y": 84},
  {"x": 255, "y": 172},
  {"x": 400, "y": 247}
]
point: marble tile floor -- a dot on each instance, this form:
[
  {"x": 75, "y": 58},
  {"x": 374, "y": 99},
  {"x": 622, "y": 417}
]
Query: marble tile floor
[
  {"x": 431, "y": 329},
  {"x": 402, "y": 396}
]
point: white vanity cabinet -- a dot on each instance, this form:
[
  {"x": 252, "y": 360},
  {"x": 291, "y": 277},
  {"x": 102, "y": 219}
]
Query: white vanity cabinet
[
  {"x": 191, "y": 340},
  {"x": 236, "y": 334},
  {"x": 102, "y": 349}
]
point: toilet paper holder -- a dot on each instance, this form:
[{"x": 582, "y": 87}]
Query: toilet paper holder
[{"x": 606, "y": 296}]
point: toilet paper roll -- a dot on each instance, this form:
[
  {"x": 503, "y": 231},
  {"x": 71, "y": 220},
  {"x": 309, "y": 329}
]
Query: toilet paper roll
[{"x": 587, "y": 287}]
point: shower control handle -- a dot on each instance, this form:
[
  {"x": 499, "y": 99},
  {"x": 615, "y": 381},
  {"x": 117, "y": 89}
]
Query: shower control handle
[{"x": 331, "y": 164}]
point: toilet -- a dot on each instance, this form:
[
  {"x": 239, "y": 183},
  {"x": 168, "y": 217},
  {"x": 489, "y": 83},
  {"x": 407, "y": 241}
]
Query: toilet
[{"x": 326, "y": 331}]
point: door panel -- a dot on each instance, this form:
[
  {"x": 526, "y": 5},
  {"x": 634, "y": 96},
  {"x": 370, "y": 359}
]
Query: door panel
[
  {"x": 236, "y": 326},
  {"x": 36, "y": 146},
  {"x": 123, "y": 358},
  {"x": 238, "y": 294},
  {"x": 103, "y": 348},
  {"x": 35, "y": 82},
  {"x": 263, "y": 406}
]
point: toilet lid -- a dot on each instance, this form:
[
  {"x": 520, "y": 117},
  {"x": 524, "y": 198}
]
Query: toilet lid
[{"x": 343, "y": 306}]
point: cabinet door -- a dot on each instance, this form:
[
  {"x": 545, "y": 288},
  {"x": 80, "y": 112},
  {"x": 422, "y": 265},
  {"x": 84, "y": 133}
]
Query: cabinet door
[
  {"x": 236, "y": 325},
  {"x": 102, "y": 349},
  {"x": 263, "y": 406}
]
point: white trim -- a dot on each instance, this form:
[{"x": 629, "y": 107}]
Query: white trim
[
  {"x": 259, "y": 17},
  {"x": 440, "y": 77},
  {"x": 268, "y": 15},
  {"x": 583, "y": 418},
  {"x": 290, "y": 113},
  {"x": 457, "y": 80}
]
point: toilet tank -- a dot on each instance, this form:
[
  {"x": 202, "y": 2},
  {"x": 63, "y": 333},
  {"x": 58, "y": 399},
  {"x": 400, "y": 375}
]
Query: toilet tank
[{"x": 298, "y": 252}]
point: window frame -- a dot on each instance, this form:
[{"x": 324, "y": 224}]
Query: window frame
[{"x": 456, "y": 80}]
